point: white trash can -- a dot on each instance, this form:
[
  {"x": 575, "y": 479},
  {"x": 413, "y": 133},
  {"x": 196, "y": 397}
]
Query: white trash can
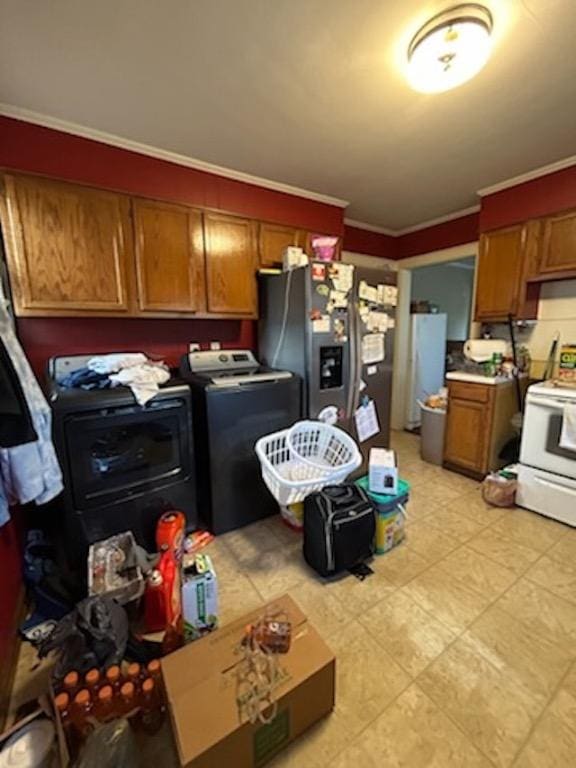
[{"x": 432, "y": 428}]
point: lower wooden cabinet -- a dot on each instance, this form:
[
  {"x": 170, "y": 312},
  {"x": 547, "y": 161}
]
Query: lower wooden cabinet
[
  {"x": 169, "y": 247},
  {"x": 478, "y": 425},
  {"x": 230, "y": 264},
  {"x": 465, "y": 439}
]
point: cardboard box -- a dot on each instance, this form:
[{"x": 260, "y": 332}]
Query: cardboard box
[
  {"x": 382, "y": 472},
  {"x": 199, "y": 596},
  {"x": 211, "y": 728}
]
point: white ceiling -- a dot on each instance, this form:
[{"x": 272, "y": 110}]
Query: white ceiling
[{"x": 306, "y": 92}]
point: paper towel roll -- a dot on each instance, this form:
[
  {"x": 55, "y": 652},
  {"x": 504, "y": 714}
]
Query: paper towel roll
[{"x": 481, "y": 350}]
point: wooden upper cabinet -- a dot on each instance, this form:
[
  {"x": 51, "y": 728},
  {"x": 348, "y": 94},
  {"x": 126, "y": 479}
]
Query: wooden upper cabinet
[
  {"x": 559, "y": 243},
  {"x": 500, "y": 271},
  {"x": 231, "y": 262},
  {"x": 273, "y": 239},
  {"x": 67, "y": 247},
  {"x": 169, "y": 246}
]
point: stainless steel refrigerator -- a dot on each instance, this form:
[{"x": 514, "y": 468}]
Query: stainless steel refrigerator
[{"x": 333, "y": 325}]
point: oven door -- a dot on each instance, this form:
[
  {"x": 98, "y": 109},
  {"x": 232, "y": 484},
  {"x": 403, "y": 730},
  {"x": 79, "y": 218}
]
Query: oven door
[
  {"x": 116, "y": 453},
  {"x": 541, "y": 437}
]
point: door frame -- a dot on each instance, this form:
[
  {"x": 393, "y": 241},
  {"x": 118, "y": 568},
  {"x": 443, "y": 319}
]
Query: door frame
[{"x": 402, "y": 339}]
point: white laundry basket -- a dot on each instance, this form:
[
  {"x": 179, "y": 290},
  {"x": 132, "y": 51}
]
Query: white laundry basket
[{"x": 310, "y": 455}]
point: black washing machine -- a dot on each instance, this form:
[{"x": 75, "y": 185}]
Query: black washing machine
[
  {"x": 123, "y": 464},
  {"x": 235, "y": 402}
]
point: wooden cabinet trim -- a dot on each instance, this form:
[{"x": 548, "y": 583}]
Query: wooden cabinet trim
[{"x": 464, "y": 390}]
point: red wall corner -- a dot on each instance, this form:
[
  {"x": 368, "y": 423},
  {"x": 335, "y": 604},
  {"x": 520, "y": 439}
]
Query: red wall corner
[{"x": 371, "y": 243}]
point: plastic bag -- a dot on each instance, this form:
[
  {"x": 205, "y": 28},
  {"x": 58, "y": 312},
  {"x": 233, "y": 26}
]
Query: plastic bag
[
  {"x": 498, "y": 490},
  {"x": 94, "y": 634},
  {"x": 110, "y": 746}
]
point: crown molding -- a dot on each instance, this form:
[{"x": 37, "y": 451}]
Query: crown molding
[
  {"x": 28, "y": 116},
  {"x": 544, "y": 170},
  {"x": 440, "y": 220},
  {"x": 370, "y": 227},
  {"x": 415, "y": 227}
]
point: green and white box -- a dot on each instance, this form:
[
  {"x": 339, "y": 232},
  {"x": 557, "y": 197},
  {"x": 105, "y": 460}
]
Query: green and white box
[{"x": 199, "y": 597}]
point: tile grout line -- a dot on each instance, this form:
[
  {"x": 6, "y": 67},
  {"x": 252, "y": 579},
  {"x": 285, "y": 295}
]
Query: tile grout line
[{"x": 546, "y": 707}]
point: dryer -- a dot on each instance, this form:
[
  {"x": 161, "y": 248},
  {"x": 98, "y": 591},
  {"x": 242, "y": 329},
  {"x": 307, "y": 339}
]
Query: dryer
[{"x": 235, "y": 402}]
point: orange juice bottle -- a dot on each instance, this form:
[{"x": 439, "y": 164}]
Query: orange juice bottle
[
  {"x": 114, "y": 677},
  {"x": 104, "y": 705},
  {"x": 92, "y": 680},
  {"x": 80, "y": 713},
  {"x": 71, "y": 683},
  {"x": 127, "y": 703},
  {"x": 151, "y": 713}
]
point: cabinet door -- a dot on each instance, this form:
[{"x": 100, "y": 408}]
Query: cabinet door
[
  {"x": 466, "y": 434},
  {"x": 169, "y": 257},
  {"x": 67, "y": 247},
  {"x": 500, "y": 268},
  {"x": 273, "y": 239},
  {"x": 559, "y": 243},
  {"x": 231, "y": 261}
]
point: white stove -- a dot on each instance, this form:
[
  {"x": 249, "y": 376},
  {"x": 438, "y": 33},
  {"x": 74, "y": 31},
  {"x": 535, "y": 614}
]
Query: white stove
[{"x": 547, "y": 472}]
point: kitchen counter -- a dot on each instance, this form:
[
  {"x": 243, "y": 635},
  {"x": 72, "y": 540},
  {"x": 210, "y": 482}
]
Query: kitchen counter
[{"x": 479, "y": 378}]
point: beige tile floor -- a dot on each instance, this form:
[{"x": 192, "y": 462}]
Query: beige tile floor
[{"x": 459, "y": 651}]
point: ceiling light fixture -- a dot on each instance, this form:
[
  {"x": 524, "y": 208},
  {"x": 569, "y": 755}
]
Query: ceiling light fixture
[{"x": 450, "y": 48}]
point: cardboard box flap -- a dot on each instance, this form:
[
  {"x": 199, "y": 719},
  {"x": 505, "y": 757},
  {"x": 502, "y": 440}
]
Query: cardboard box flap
[{"x": 218, "y": 651}]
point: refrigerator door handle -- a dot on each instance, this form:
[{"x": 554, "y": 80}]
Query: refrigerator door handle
[
  {"x": 352, "y": 353},
  {"x": 358, "y": 359}
]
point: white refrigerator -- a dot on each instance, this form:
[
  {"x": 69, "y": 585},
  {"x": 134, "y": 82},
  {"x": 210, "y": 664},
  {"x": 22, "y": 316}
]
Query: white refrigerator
[{"x": 426, "y": 362}]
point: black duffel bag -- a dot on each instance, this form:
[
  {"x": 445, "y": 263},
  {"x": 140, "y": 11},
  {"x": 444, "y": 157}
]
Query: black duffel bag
[{"x": 339, "y": 529}]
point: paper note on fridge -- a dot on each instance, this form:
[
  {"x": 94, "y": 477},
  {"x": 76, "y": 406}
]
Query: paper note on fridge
[
  {"x": 366, "y": 420},
  {"x": 390, "y": 295},
  {"x": 368, "y": 292},
  {"x": 377, "y": 321},
  {"x": 321, "y": 325},
  {"x": 342, "y": 276},
  {"x": 339, "y": 299},
  {"x": 373, "y": 348}
]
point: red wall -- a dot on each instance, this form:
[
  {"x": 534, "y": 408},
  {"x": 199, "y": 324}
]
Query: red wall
[
  {"x": 10, "y": 590},
  {"x": 43, "y": 338},
  {"x": 445, "y": 235},
  {"x": 540, "y": 197},
  {"x": 372, "y": 243}
]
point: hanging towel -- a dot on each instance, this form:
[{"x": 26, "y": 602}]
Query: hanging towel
[
  {"x": 28, "y": 472},
  {"x": 568, "y": 433}
]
